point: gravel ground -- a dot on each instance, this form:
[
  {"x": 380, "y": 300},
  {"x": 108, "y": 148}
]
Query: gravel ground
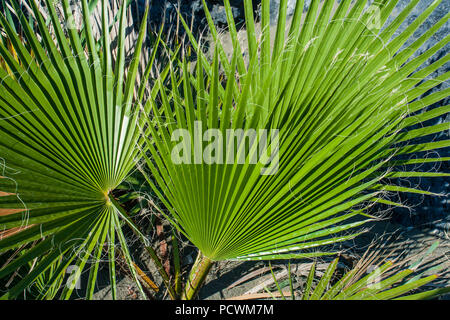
[
  {"x": 223, "y": 280},
  {"x": 405, "y": 243}
]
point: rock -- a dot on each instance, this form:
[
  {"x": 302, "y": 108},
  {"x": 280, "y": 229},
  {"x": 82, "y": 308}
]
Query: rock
[
  {"x": 192, "y": 11},
  {"x": 275, "y": 4}
]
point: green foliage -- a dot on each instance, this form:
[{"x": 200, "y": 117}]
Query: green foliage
[
  {"x": 373, "y": 286},
  {"x": 69, "y": 129},
  {"x": 340, "y": 93},
  {"x": 74, "y": 119},
  {"x": 386, "y": 281}
]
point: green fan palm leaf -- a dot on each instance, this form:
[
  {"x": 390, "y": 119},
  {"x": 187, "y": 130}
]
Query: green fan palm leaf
[
  {"x": 68, "y": 122},
  {"x": 339, "y": 91}
]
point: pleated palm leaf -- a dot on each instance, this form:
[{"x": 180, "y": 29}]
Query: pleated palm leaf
[
  {"x": 68, "y": 138},
  {"x": 372, "y": 278},
  {"x": 377, "y": 278},
  {"x": 339, "y": 90},
  {"x": 376, "y": 285}
]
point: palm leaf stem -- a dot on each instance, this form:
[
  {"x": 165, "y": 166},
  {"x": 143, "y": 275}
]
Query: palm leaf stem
[{"x": 197, "y": 276}]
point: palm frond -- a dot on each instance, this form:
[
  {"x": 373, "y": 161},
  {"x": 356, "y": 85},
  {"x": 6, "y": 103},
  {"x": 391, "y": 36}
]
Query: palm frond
[
  {"x": 388, "y": 280},
  {"x": 339, "y": 91},
  {"x": 68, "y": 122}
]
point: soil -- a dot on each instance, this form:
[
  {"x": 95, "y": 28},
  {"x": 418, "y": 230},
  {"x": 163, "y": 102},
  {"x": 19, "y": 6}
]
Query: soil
[{"x": 384, "y": 238}]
